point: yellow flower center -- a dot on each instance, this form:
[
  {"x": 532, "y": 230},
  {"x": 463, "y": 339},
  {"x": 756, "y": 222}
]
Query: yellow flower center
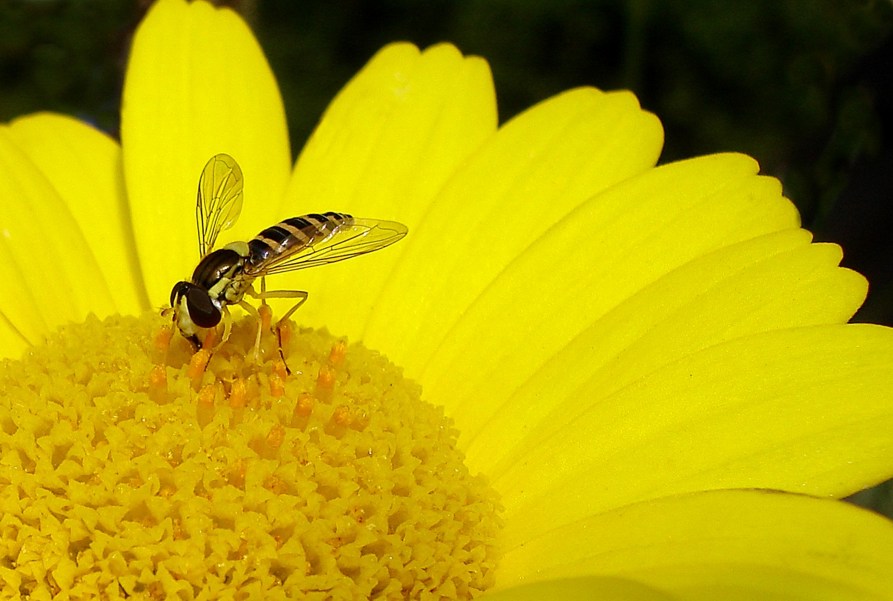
[{"x": 129, "y": 468}]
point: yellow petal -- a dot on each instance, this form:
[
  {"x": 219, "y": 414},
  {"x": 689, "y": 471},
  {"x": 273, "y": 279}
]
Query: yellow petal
[
  {"x": 590, "y": 262},
  {"x": 197, "y": 85},
  {"x": 771, "y": 282},
  {"x": 12, "y": 343},
  {"x": 84, "y": 166},
  {"x": 805, "y": 410},
  {"x": 579, "y": 589},
  {"x": 383, "y": 149},
  {"x": 49, "y": 275},
  {"x": 722, "y": 545},
  {"x": 524, "y": 181},
  {"x": 24, "y": 324}
]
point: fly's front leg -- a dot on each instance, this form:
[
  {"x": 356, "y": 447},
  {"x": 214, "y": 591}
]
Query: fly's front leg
[{"x": 213, "y": 340}]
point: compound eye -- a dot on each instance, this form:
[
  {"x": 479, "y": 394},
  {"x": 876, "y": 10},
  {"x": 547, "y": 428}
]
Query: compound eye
[
  {"x": 178, "y": 291},
  {"x": 202, "y": 311}
]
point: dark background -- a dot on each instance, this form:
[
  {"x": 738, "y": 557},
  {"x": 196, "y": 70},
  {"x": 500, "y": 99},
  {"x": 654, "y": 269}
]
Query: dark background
[{"x": 804, "y": 86}]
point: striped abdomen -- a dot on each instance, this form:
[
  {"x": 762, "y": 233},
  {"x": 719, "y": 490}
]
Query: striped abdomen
[{"x": 291, "y": 235}]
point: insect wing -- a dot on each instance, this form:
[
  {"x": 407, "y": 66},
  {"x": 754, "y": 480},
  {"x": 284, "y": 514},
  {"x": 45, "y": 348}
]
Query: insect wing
[
  {"x": 363, "y": 236},
  {"x": 219, "y": 200}
]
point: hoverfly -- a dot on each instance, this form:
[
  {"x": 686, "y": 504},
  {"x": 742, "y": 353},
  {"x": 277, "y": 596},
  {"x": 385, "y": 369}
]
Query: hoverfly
[{"x": 225, "y": 276}]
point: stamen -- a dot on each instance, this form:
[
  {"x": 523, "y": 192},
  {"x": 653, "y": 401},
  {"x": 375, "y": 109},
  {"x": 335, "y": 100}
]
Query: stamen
[
  {"x": 280, "y": 369},
  {"x": 198, "y": 363},
  {"x": 340, "y": 422},
  {"x": 277, "y": 386},
  {"x": 276, "y": 436},
  {"x": 162, "y": 342},
  {"x": 158, "y": 383},
  {"x": 237, "y": 473},
  {"x": 284, "y": 330},
  {"x": 337, "y": 354},
  {"x": 238, "y": 395},
  {"x": 205, "y": 404},
  {"x": 210, "y": 339},
  {"x": 325, "y": 381},
  {"x": 266, "y": 317},
  {"x": 303, "y": 410},
  {"x": 277, "y": 486}
]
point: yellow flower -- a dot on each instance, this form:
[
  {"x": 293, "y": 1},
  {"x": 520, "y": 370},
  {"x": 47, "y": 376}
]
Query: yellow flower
[{"x": 650, "y": 365}]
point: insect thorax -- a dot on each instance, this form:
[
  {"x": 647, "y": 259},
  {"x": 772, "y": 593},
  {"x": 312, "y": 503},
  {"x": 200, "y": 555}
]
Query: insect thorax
[{"x": 220, "y": 273}]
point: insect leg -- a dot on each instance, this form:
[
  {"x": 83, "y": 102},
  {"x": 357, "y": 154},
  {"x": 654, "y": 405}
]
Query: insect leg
[
  {"x": 300, "y": 295},
  {"x": 254, "y": 313},
  {"x": 213, "y": 340},
  {"x": 264, "y": 294},
  {"x": 227, "y": 326}
]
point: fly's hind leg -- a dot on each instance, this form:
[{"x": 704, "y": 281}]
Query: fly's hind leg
[{"x": 299, "y": 295}]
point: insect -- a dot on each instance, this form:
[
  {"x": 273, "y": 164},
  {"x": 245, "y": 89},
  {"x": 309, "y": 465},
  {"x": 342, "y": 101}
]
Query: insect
[{"x": 225, "y": 276}]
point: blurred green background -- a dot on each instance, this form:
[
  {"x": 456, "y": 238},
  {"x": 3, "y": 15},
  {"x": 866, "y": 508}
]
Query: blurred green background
[{"x": 805, "y": 86}]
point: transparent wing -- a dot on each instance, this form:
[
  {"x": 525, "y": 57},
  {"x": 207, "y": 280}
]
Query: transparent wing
[
  {"x": 219, "y": 200},
  {"x": 363, "y": 236}
]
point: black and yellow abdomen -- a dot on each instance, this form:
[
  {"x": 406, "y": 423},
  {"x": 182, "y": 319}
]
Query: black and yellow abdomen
[{"x": 294, "y": 234}]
